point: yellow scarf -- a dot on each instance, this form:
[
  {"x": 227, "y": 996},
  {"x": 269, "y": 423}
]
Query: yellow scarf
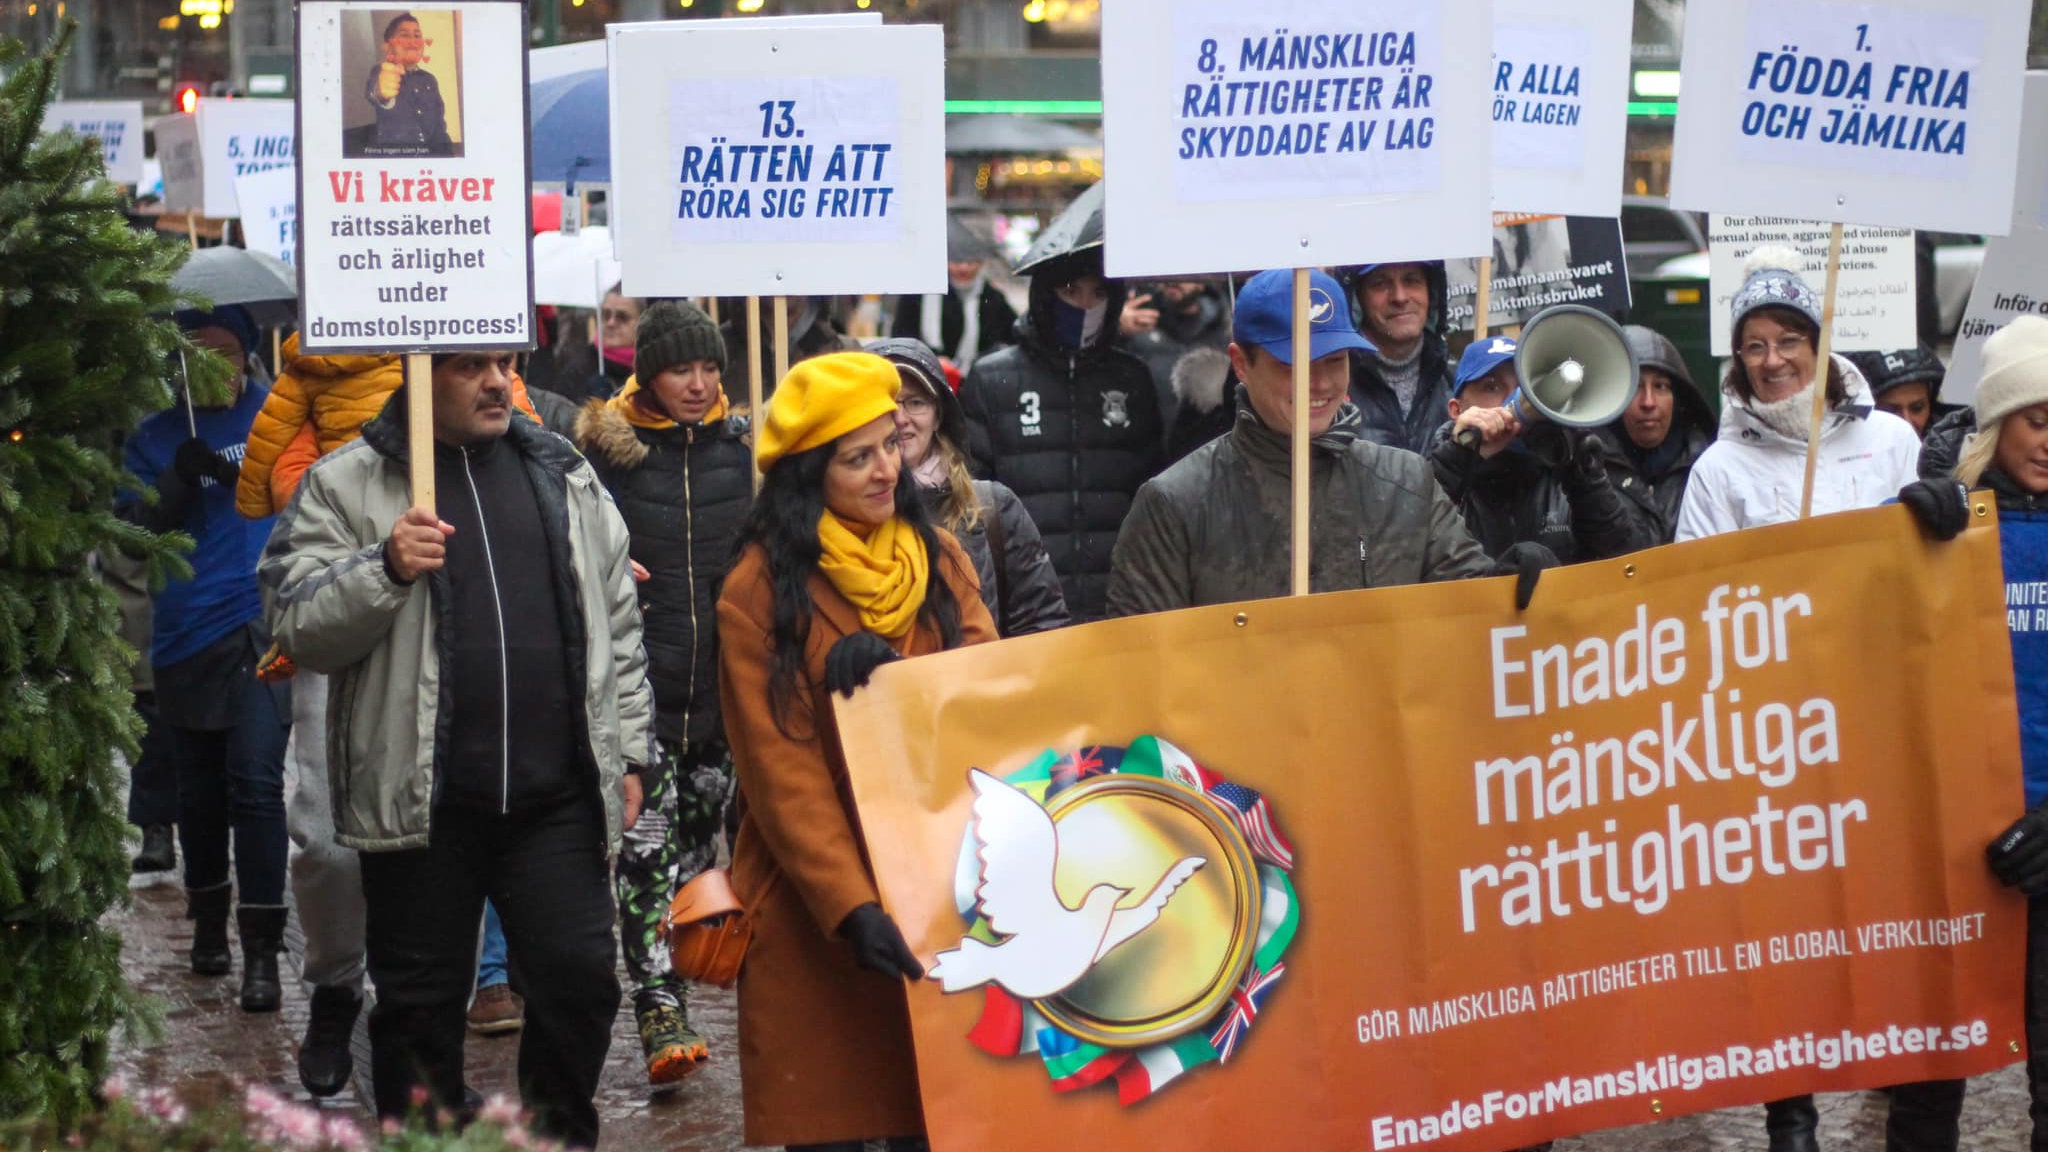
[
  {"x": 642, "y": 409},
  {"x": 883, "y": 576}
]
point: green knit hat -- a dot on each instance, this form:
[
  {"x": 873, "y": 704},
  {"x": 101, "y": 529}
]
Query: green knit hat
[{"x": 675, "y": 332}]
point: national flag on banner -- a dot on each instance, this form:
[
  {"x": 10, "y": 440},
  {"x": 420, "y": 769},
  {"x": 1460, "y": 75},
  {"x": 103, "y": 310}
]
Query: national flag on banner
[
  {"x": 1279, "y": 916},
  {"x": 1242, "y": 1008},
  {"x": 1090, "y": 762},
  {"x": 1154, "y": 1067},
  {"x": 1245, "y": 807},
  {"x": 1073, "y": 1063}
]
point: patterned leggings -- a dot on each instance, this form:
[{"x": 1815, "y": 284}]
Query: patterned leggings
[{"x": 675, "y": 839}]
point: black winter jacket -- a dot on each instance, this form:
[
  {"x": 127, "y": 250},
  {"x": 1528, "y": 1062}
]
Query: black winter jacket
[
  {"x": 1571, "y": 507},
  {"x": 1384, "y": 422},
  {"x": 1024, "y": 595},
  {"x": 1213, "y": 529},
  {"x": 682, "y": 491},
  {"x": 1072, "y": 433},
  {"x": 1654, "y": 482}
]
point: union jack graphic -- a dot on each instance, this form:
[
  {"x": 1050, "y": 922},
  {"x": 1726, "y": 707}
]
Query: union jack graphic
[{"x": 1244, "y": 1005}]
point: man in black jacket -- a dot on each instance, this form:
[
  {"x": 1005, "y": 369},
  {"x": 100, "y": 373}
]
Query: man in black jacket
[
  {"x": 1401, "y": 386},
  {"x": 1649, "y": 451},
  {"x": 1528, "y": 482},
  {"x": 1069, "y": 421}
]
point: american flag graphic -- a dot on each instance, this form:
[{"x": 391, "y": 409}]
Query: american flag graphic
[
  {"x": 1245, "y": 1001},
  {"x": 1248, "y": 809}
]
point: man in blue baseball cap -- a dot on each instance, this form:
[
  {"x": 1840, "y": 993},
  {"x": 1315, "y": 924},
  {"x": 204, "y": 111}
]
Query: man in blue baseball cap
[
  {"x": 1533, "y": 482},
  {"x": 1214, "y": 528}
]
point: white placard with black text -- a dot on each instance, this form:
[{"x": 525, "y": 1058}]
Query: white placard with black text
[
  {"x": 779, "y": 161},
  {"x": 1874, "y": 293},
  {"x": 2009, "y": 285},
  {"x": 117, "y": 124},
  {"x": 1294, "y": 133},
  {"x": 1560, "y": 100},
  {"x": 1904, "y": 113},
  {"x": 203, "y": 153},
  {"x": 414, "y": 205}
]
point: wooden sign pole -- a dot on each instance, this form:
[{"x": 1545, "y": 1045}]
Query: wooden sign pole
[
  {"x": 754, "y": 373},
  {"x": 1482, "y": 306},
  {"x": 781, "y": 338},
  {"x": 192, "y": 228},
  {"x": 1300, "y": 537},
  {"x": 1823, "y": 356},
  {"x": 419, "y": 419}
]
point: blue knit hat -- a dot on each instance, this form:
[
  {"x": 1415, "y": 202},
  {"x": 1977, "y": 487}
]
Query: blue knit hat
[
  {"x": 232, "y": 317},
  {"x": 1772, "y": 281}
]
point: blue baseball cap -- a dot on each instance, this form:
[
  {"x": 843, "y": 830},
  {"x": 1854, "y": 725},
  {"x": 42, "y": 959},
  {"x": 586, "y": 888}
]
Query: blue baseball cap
[
  {"x": 1481, "y": 357},
  {"x": 1265, "y": 317}
]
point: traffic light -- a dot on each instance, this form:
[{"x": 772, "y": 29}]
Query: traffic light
[{"x": 186, "y": 98}]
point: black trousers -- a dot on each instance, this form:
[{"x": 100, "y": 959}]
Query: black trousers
[
  {"x": 545, "y": 870},
  {"x": 2037, "y": 1018}
]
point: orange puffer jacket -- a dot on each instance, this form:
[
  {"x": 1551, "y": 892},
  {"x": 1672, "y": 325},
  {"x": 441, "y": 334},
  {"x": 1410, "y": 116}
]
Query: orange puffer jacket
[{"x": 318, "y": 404}]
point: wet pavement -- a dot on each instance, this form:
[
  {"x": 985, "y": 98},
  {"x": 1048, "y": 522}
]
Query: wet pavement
[{"x": 209, "y": 1042}]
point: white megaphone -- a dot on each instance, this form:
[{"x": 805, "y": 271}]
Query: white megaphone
[{"x": 1573, "y": 367}]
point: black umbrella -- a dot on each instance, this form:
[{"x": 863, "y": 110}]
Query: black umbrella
[
  {"x": 965, "y": 242},
  {"x": 986, "y": 135},
  {"x": 257, "y": 281},
  {"x": 1077, "y": 229}
]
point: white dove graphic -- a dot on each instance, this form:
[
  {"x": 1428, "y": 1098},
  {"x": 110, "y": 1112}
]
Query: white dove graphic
[{"x": 1049, "y": 945}]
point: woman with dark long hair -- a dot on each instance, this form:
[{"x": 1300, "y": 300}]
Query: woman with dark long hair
[{"x": 839, "y": 570}]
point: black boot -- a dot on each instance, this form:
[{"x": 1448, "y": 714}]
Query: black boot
[
  {"x": 1793, "y": 1124},
  {"x": 207, "y": 908},
  {"x": 159, "y": 850},
  {"x": 262, "y": 938},
  {"x": 324, "y": 1059},
  {"x": 1925, "y": 1117}
]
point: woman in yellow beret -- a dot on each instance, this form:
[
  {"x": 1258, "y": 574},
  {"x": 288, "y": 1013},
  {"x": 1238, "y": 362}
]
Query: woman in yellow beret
[{"x": 839, "y": 571}]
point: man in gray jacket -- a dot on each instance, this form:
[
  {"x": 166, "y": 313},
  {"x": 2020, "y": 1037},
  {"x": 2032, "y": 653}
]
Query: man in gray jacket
[
  {"x": 488, "y": 711},
  {"x": 1213, "y": 528}
]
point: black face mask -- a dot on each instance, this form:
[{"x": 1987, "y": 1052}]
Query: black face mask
[{"x": 1075, "y": 328}]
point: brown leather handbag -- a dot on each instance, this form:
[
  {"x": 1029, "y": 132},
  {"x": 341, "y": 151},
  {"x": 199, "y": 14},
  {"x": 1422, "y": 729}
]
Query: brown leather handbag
[{"x": 708, "y": 930}]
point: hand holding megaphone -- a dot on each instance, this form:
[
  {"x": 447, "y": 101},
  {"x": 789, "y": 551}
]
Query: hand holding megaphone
[{"x": 1575, "y": 369}]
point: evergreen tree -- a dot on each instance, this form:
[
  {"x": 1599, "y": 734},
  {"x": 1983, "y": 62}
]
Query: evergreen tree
[{"x": 84, "y": 338}]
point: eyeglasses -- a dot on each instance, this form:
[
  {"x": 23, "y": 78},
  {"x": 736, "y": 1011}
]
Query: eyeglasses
[
  {"x": 1787, "y": 347},
  {"x": 616, "y": 316},
  {"x": 915, "y": 403}
]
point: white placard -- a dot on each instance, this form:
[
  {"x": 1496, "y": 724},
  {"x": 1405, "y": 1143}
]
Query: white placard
[
  {"x": 1874, "y": 294},
  {"x": 116, "y": 123},
  {"x": 1294, "y": 133},
  {"x": 779, "y": 161},
  {"x": 414, "y": 202},
  {"x": 2030, "y": 193},
  {"x": 232, "y": 138},
  {"x": 270, "y": 212},
  {"x": 1896, "y": 112},
  {"x": 1560, "y": 101},
  {"x": 2009, "y": 285}
]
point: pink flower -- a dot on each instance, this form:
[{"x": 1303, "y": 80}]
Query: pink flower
[
  {"x": 116, "y": 1087},
  {"x": 500, "y": 1111},
  {"x": 391, "y": 1126},
  {"x": 344, "y": 1135}
]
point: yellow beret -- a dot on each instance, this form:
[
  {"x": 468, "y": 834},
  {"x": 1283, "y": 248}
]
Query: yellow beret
[{"x": 823, "y": 399}]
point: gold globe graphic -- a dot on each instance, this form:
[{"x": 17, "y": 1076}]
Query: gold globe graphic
[{"x": 1173, "y": 977}]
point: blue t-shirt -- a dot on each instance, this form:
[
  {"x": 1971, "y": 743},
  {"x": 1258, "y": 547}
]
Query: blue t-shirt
[
  {"x": 2023, "y": 540},
  {"x": 190, "y": 615}
]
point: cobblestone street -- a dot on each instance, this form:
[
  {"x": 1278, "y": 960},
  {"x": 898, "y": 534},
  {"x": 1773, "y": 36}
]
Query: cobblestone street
[{"x": 209, "y": 1040}]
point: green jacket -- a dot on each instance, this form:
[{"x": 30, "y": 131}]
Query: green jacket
[{"x": 335, "y": 609}]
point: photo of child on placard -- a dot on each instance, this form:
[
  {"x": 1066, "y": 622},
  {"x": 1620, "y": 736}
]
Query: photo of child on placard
[{"x": 408, "y": 101}]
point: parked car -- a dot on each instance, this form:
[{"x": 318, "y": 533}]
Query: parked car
[{"x": 1653, "y": 233}]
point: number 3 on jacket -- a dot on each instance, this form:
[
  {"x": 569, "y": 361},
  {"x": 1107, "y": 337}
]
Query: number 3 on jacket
[{"x": 1029, "y": 418}]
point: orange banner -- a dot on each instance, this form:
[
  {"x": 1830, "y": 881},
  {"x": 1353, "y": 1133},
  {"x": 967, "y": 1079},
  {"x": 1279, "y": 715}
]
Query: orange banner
[{"x": 1405, "y": 868}]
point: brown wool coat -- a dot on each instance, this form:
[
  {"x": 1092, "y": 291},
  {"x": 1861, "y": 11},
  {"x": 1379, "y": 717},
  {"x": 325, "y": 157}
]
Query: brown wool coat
[{"x": 825, "y": 1048}]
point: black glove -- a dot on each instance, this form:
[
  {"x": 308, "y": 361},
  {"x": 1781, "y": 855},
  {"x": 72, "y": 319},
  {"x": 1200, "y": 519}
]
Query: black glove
[
  {"x": 2019, "y": 855},
  {"x": 1526, "y": 560},
  {"x": 877, "y": 944},
  {"x": 853, "y": 659},
  {"x": 194, "y": 460},
  {"x": 1942, "y": 506}
]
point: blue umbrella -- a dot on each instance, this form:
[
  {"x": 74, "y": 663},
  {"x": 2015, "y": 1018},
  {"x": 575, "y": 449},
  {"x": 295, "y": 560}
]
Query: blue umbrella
[{"x": 571, "y": 129}]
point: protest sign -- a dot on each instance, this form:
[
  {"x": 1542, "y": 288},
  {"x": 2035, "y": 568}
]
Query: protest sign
[
  {"x": 1894, "y": 112},
  {"x": 413, "y": 197},
  {"x": 220, "y": 140},
  {"x": 1560, "y": 98},
  {"x": 1687, "y": 833},
  {"x": 1539, "y": 262},
  {"x": 1875, "y": 298},
  {"x": 2030, "y": 195},
  {"x": 780, "y": 161},
  {"x": 2008, "y": 285},
  {"x": 1293, "y": 134},
  {"x": 117, "y": 124},
  {"x": 270, "y": 212}
]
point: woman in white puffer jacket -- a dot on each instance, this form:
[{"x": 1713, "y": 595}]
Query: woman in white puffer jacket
[{"x": 1754, "y": 473}]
